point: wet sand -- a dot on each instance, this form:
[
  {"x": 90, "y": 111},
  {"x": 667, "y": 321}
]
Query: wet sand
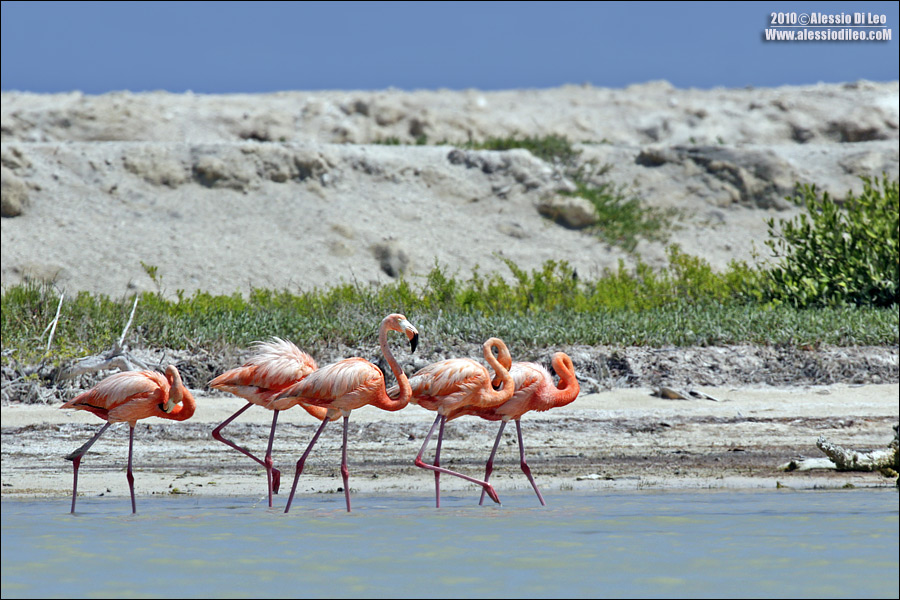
[{"x": 621, "y": 439}]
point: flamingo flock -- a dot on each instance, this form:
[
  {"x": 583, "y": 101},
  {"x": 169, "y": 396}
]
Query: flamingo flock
[{"x": 280, "y": 376}]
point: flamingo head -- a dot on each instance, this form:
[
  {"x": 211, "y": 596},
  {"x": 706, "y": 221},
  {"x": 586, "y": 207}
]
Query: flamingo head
[
  {"x": 176, "y": 389},
  {"x": 398, "y": 322}
]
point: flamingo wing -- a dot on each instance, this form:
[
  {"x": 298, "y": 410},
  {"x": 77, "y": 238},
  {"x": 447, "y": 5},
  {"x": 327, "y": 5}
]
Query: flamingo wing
[
  {"x": 455, "y": 377},
  {"x": 277, "y": 365},
  {"x": 528, "y": 376},
  {"x": 124, "y": 396},
  {"x": 348, "y": 381}
]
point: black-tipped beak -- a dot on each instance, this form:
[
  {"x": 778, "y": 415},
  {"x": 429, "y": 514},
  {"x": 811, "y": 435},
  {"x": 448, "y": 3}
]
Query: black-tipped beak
[{"x": 413, "y": 342}]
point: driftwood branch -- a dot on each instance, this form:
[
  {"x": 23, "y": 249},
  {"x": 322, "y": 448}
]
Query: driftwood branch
[
  {"x": 847, "y": 459},
  {"x": 117, "y": 357},
  {"x": 128, "y": 324},
  {"x": 53, "y": 324},
  {"x": 673, "y": 394}
]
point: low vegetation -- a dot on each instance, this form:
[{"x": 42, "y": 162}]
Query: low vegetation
[{"x": 686, "y": 304}]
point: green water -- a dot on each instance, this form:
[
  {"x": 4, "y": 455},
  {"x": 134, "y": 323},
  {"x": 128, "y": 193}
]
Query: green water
[{"x": 636, "y": 544}]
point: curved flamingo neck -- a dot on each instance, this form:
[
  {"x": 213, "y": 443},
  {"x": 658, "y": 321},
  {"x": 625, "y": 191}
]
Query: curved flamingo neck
[
  {"x": 185, "y": 403},
  {"x": 501, "y": 371},
  {"x": 383, "y": 401},
  {"x": 568, "y": 388}
]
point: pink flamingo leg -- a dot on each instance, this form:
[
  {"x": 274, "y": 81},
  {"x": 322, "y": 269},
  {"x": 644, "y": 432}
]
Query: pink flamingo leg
[
  {"x": 524, "y": 465},
  {"x": 437, "y": 463},
  {"x": 273, "y": 476},
  {"x": 302, "y": 461},
  {"x": 75, "y": 457},
  {"x": 419, "y": 463},
  {"x": 345, "y": 471},
  {"x": 489, "y": 467},
  {"x": 129, "y": 475},
  {"x": 217, "y": 434}
]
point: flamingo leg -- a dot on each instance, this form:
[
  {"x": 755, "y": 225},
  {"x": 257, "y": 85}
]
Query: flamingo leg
[
  {"x": 273, "y": 475},
  {"x": 129, "y": 475},
  {"x": 489, "y": 467},
  {"x": 345, "y": 471},
  {"x": 437, "y": 463},
  {"x": 75, "y": 457},
  {"x": 524, "y": 465},
  {"x": 420, "y": 463},
  {"x": 302, "y": 461},
  {"x": 217, "y": 434}
]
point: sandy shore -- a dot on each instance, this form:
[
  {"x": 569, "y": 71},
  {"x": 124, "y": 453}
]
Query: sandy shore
[{"x": 623, "y": 439}]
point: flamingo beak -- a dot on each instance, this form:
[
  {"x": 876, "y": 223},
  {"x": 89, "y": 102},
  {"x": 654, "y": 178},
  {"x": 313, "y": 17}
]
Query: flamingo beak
[{"x": 413, "y": 342}]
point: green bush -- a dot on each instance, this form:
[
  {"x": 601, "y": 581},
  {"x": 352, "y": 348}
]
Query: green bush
[
  {"x": 838, "y": 254},
  {"x": 549, "y": 148}
]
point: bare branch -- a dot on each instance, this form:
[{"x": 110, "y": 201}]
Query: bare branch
[
  {"x": 54, "y": 323},
  {"x": 128, "y": 324},
  {"x": 848, "y": 459}
]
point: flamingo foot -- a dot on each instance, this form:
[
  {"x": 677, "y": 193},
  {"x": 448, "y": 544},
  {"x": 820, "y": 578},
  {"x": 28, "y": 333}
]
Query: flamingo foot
[
  {"x": 276, "y": 480},
  {"x": 492, "y": 493}
]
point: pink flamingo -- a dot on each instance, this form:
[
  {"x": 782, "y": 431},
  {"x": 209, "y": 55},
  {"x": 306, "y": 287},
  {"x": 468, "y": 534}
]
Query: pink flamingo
[
  {"x": 534, "y": 390},
  {"x": 347, "y": 385},
  {"x": 277, "y": 365},
  {"x": 452, "y": 387},
  {"x": 125, "y": 398}
]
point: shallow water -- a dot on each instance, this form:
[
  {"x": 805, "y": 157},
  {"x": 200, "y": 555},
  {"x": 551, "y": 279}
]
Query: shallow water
[{"x": 638, "y": 544}]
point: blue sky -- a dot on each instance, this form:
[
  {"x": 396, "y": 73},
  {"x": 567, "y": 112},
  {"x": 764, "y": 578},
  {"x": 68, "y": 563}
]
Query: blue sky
[{"x": 211, "y": 47}]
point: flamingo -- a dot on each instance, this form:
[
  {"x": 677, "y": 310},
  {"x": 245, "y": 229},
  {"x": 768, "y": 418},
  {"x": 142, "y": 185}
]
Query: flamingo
[
  {"x": 454, "y": 386},
  {"x": 346, "y": 385},
  {"x": 534, "y": 390},
  {"x": 277, "y": 365},
  {"x": 125, "y": 398}
]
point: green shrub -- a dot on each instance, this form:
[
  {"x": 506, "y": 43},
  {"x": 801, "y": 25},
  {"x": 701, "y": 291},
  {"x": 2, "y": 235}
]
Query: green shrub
[
  {"x": 838, "y": 254},
  {"x": 549, "y": 148}
]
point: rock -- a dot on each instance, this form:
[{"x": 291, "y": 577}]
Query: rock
[
  {"x": 392, "y": 259},
  {"x": 417, "y": 127},
  {"x": 14, "y": 195},
  {"x": 571, "y": 211},
  {"x": 156, "y": 165},
  {"x": 753, "y": 178},
  {"x": 311, "y": 164},
  {"x": 656, "y": 156},
  {"x": 386, "y": 114},
  {"x": 869, "y": 162},
  {"x": 221, "y": 171},
  {"x": 512, "y": 230},
  {"x": 14, "y": 159},
  {"x": 268, "y": 127},
  {"x": 860, "y": 126},
  {"x": 361, "y": 106},
  {"x": 274, "y": 162}
]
